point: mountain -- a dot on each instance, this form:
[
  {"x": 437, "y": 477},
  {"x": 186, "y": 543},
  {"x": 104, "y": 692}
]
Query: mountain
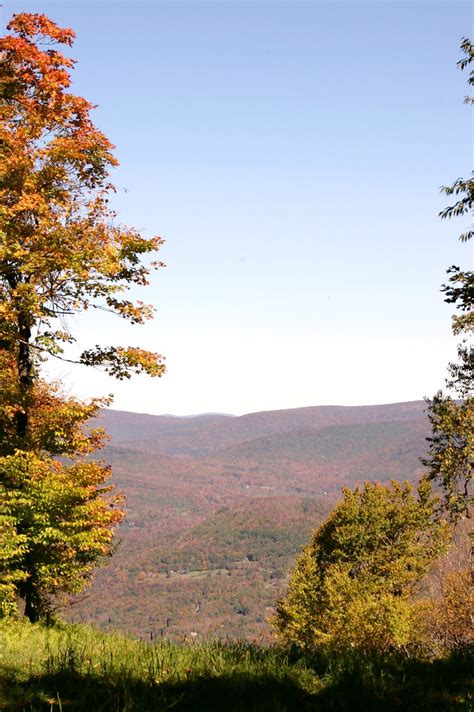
[
  {"x": 218, "y": 507},
  {"x": 202, "y": 435}
]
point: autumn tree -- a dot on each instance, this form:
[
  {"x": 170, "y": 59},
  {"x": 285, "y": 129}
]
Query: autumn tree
[
  {"x": 353, "y": 585},
  {"x": 62, "y": 252},
  {"x": 451, "y": 444},
  {"x": 447, "y": 613}
]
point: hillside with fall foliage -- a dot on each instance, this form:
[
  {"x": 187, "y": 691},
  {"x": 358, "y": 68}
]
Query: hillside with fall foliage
[{"x": 218, "y": 507}]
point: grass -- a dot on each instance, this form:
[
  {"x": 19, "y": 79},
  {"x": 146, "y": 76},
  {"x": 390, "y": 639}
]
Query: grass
[
  {"x": 78, "y": 668},
  {"x": 75, "y": 667}
]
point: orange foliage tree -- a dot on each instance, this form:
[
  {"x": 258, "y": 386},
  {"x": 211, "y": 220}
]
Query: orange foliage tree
[{"x": 61, "y": 253}]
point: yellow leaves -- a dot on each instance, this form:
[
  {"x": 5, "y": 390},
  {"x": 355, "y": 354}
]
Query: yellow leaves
[
  {"x": 136, "y": 313},
  {"x": 141, "y": 360},
  {"x": 358, "y": 615},
  {"x": 352, "y": 585},
  {"x": 121, "y": 362}
]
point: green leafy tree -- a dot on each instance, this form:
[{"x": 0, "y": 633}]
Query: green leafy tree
[
  {"x": 64, "y": 522},
  {"x": 57, "y": 514},
  {"x": 451, "y": 452},
  {"x": 12, "y": 549},
  {"x": 353, "y": 584},
  {"x": 451, "y": 445}
]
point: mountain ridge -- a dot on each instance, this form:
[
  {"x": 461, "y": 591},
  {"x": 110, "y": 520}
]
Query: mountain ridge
[{"x": 200, "y": 435}]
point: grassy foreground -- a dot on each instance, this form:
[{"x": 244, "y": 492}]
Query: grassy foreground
[{"x": 79, "y": 668}]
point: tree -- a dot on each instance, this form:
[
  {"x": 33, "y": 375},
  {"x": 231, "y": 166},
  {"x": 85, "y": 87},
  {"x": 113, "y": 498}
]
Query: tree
[
  {"x": 56, "y": 512},
  {"x": 447, "y": 612},
  {"x": 451, "y": 444},
  {"x": 451, "y": 452},
  {"x": 61, "y": 253},
  {"x": 12, "y": 548},
  {"x": 353, "y": 584}
]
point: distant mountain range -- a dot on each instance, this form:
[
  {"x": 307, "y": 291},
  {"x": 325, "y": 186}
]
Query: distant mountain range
[
  {"x": 205, "y": 434},
  {"x": 218, "y": 507}
]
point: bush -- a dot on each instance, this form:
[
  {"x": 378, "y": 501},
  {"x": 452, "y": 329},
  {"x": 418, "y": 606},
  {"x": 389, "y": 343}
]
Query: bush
[{"x": 353, "y": 586}]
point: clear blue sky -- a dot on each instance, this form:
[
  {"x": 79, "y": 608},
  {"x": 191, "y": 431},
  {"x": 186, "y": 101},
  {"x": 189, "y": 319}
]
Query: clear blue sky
[{"x": 291, "y": 155}]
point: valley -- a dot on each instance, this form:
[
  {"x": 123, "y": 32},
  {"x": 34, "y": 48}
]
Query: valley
[{"x": 219, "y": 506}]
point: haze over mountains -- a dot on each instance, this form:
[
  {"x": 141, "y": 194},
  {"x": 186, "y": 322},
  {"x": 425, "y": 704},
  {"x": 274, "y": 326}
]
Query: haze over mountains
[{"x": 218, "y": 507}]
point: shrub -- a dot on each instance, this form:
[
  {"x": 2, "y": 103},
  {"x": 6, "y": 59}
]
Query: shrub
[{"x": 353, "y": 586}]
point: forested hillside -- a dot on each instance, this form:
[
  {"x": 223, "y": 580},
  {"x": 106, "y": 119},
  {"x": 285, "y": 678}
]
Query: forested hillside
[{"x": 218, "y": 506}]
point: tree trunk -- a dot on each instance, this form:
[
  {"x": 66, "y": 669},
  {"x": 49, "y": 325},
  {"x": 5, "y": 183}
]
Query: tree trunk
[
  {"x": 27, "y": 590},
  {"x": 25, "y": 374},
  {"x": 29, "y": 596},
  {"x": 24, "y": 362}
]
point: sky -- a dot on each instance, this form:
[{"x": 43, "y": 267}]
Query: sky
[{"x": 291, "y": 155}]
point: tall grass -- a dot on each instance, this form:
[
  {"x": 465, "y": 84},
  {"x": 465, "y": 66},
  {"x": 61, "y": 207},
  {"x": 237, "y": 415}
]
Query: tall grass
[{"x": 75, "y": 668}]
